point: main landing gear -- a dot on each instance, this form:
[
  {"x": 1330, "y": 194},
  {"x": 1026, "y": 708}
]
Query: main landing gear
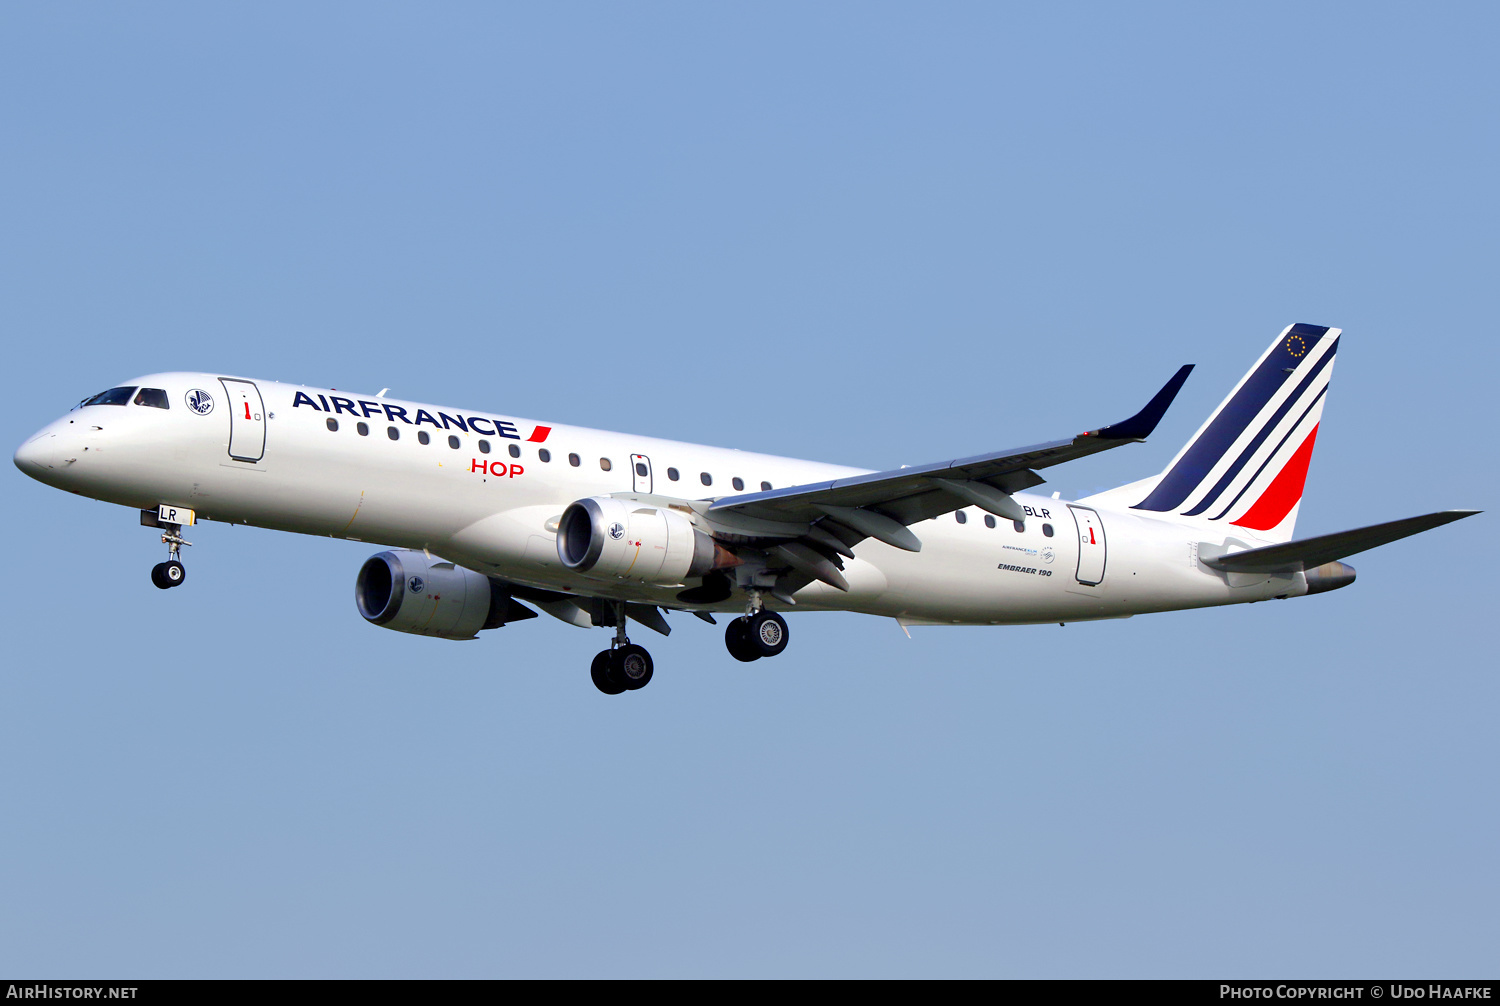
[
  {"x": 759, "y": 633},
  {"x": 170, "y": 573},
  {"x": 623, "y": 667}
]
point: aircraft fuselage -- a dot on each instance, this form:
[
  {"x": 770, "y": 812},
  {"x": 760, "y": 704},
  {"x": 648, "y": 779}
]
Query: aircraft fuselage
[{"x": 486, "y": 491}]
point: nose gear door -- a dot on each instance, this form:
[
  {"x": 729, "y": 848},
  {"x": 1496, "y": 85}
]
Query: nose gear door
[{"x": 247, "y": 420}]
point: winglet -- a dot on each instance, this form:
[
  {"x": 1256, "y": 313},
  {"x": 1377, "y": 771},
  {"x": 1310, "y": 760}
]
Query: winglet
[{"x": 1140, "y": 425}]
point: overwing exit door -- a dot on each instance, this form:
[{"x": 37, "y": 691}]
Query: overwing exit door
[
  {"x": 640, "y": 472},
  {"x": 1091, "y": 552},
  {"x": 247, "y": 420}
]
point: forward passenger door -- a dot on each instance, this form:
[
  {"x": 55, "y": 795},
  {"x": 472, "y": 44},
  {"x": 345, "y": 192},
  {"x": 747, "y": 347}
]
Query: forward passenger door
[{"x": 247, "y": 420}]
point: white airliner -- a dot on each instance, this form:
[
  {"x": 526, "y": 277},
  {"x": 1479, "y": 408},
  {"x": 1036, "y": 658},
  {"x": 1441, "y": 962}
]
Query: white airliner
[{"x": 485, "y": 511}]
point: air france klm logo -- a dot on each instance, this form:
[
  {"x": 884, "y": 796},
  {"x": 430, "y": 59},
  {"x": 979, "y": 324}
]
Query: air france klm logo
[
  {"x": 200, "y": 401},
  {"x": 367, "y": 409}
]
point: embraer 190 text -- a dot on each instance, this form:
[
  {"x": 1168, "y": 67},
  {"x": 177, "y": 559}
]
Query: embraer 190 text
[{"x": 484, "y": 512}]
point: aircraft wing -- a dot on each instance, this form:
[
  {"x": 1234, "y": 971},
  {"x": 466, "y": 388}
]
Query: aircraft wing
[
  {"x": 1309, "y": 553},
  {"x": 881, "y": 504}
]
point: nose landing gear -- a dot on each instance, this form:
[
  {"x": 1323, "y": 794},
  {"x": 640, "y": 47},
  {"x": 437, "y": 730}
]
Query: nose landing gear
[{"x": 170, "y": 573}]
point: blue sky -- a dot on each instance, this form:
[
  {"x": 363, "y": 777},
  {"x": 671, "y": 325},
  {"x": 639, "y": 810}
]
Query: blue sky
[{"x": 873, "y": 234}]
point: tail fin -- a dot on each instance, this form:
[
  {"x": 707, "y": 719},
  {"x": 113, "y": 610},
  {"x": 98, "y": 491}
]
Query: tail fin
[{"x": 1247, "y": 464}]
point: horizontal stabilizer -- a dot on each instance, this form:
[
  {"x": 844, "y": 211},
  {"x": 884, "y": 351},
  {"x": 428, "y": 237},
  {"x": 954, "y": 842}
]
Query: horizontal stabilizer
[{"x": 1311, "y": 552}]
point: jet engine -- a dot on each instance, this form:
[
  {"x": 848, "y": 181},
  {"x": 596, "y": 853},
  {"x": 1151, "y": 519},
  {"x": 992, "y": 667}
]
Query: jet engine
[
  {"x": 417, "y": 593},
  {"x": 615, "y": 539}
]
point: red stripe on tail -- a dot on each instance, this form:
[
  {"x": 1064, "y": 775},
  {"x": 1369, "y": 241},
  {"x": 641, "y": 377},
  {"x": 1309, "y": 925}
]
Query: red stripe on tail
[{"x": 1283, "y": 492}]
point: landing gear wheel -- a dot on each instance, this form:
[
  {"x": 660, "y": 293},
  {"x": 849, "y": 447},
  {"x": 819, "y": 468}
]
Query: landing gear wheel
[
  {"x": 168, "y": 574},
  {"x": 173, "y": 572},
  {"x": 766, "y": 634},
  {"x": 738, "y": 642},
  {"x": 602, "y": 673},
  {"x": 632, "y": 665}
]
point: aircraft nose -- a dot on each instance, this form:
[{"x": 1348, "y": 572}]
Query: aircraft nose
[{"x": 35, "y": 456}]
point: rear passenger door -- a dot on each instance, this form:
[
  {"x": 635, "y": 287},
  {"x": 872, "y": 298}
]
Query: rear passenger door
[{"x": 1091, "y": 553}]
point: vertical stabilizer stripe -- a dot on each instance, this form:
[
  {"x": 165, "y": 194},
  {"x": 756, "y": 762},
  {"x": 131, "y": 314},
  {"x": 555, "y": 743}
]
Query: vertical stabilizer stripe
[
  {"x": 1283, "y": 493},
  {"x": 1264, "y": 432},
  {"x": 1316, "y": 404},
  {"x": 1233, "y": 418}
]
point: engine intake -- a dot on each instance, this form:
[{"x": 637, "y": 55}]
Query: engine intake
[
  {"x": 417, "y": 593},
  {"x": 614, "y": 539}
]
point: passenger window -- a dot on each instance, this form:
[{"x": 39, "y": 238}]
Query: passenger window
[
  {"x": 542, "y": 454},
  {"x": 673, "y": 474},
  {"x": 515, "y": 451},
  {"x": 393, "y": 433},
  {"x": 738, "y": 483},
  {"x": 363, "y": 429},
  {"x": 154, "y": 397},
  {"x": 114, "y": 396},
  {"x": 765, "y": 487},
  {"x": 484, "y": 447},
  {"x": 1047, "y": 530},
  {"x": 1019, "y": 525},
  {"x": 333, "y": 425},
  {"x": 453, "y": 442},
  {"x": 574, "y": 460},
  {"x": 989, "y": 520},
  {"x": 960, "y": 516},
  {"x": 604, "y": 464},
  {"x": 641, "y": 469},
  {"x": 423, "y": 438},
  {"x": 706, "y": 478}
]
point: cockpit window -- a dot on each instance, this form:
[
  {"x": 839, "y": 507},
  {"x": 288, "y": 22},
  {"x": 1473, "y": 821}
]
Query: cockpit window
[
  {"x": 154, "y": 397},
  {"x": 114, "y": 396}
]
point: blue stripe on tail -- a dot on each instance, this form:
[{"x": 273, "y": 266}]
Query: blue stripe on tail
[
  {"x": 1285, "y": 437},
  {"x": 1237, "y": 414},
  {"x": 1265, "y": 431}
]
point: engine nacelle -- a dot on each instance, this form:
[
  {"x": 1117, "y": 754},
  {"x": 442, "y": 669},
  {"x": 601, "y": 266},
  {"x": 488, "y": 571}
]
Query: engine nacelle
[
  {"x": 414, "y": 592},
  {"x": 615, "y": 539}
]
